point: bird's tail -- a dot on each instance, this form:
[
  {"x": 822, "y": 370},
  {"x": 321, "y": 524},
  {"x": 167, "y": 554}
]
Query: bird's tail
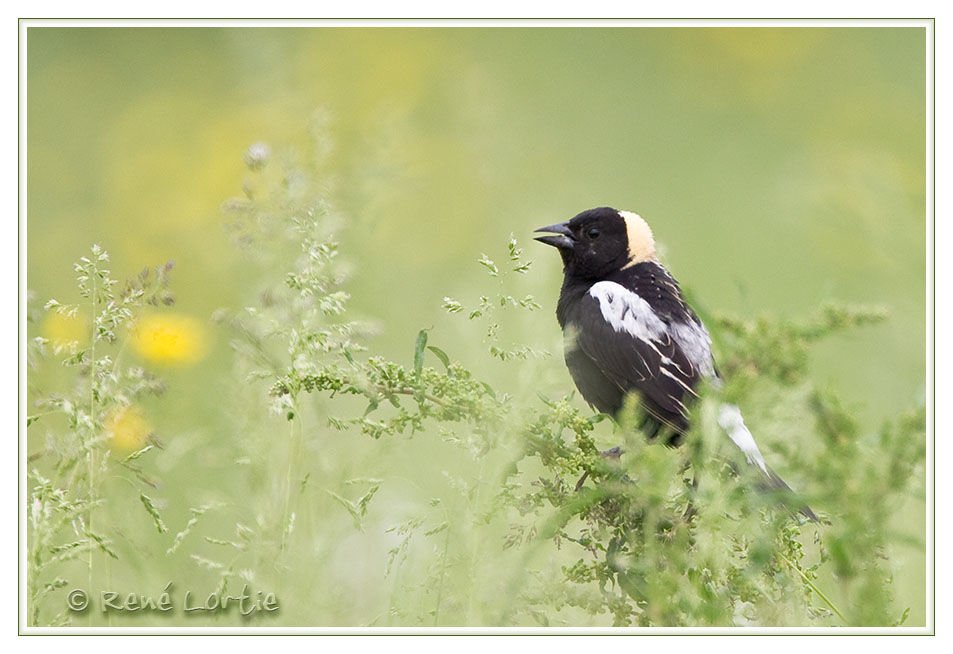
[{"x": 729, "y": 417}]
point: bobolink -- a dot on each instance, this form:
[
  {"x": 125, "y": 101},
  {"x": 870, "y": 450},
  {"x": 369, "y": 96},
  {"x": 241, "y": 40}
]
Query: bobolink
[{"x": 629, "y": 330}]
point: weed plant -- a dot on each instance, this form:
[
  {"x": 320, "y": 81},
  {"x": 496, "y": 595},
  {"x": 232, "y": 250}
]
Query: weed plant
[{"x": 454, "y": 485}]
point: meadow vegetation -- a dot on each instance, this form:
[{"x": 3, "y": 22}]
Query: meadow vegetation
[{"x": 439, "y": 488}]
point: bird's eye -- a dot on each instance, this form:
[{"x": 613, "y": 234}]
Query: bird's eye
[{"x": 592, "y": 233}]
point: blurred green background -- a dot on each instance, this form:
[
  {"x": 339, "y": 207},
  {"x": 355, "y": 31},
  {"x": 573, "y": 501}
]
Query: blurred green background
[{"x": 779, "y": 167}]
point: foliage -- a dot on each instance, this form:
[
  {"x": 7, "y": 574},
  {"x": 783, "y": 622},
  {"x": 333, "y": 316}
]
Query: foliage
[
  {"x": 93, "y": 429},
  {"x": 535, "y": 525}
]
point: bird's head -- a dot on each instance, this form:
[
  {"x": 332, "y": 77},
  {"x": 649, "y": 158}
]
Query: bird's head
[{"x": 601, "y": 241}]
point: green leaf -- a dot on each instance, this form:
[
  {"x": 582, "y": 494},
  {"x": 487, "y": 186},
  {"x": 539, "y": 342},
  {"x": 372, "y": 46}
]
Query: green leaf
[
  {"x": 903, "y": 618},
  {"x": 451, "y": 305},
  {"x": 488, "y": 263},
  {"x": 351, "y": 507},
  {"x": 597, "y": 418},
  {"x": 151, "y": 510},
  {"x": 548, "y": 402},
  {"x": 209, "y": 564},
  {"x": 366, "y": 498},
  {"x": 436, "y": 530},
  {"x": 440, "y": 354},
  {"x": 578, "y": 503},
  {"x": 103, "y": 544},
  {"x": 419, "y": 349},
  {"x": 372, "y": 405},
  {"x": 135, "y": 455}
]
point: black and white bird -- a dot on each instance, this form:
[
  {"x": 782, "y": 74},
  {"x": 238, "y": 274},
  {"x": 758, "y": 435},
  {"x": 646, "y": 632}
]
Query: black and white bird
[{"x": 629, "y": 330}]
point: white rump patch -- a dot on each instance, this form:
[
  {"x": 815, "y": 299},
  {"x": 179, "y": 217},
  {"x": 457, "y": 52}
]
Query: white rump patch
[
  {"x": 696, "y": 344},
  {"x": 734, "y": 425}
]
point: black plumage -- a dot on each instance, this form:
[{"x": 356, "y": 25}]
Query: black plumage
[
  {"x": 628, "y": 329},
  {"x": 626, "y": 338},
  {"x": 606, "y": 364}
]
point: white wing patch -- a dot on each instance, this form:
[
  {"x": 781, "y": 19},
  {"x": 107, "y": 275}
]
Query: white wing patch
[
  {"x": 734, "y": 425},
  {"x": 627, "y": 312}
]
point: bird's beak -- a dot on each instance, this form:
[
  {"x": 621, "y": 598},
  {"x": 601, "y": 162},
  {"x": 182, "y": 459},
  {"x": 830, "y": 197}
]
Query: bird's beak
[{"x": 563, "y": 241}]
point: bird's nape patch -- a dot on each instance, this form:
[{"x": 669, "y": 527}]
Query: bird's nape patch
[{"x": 640, "y": 238}]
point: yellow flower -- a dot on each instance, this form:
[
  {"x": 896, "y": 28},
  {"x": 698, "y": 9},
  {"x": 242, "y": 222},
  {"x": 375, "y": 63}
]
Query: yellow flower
[
  {"x": 126, "y": 429},
  {"x": 65, "y": 330},
  {"x": 169, "y": 339}
]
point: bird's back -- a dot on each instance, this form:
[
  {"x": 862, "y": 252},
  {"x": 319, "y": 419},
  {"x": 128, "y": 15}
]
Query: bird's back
[{"x": 633, "y": 332}]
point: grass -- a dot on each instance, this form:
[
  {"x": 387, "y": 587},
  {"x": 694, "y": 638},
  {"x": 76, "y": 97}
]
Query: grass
[{"x": 440, "y": 488}]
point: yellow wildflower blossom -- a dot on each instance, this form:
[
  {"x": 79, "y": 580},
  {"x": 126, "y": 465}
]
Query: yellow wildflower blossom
[
  {"x": 126, "y": 429},
  {"x": 169, "y": 339},
  {"x": 64, "y": 330}
]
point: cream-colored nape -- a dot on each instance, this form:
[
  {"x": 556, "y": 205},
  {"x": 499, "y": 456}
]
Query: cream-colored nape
[{"x": 641, "y": 241}]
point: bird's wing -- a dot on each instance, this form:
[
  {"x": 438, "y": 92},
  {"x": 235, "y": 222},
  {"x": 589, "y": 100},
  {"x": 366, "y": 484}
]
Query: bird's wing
[{"x": 635, "y": 350}]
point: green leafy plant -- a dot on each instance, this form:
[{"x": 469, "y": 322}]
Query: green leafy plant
[
  {"x": 68, "y": 517},
  {"x": 481, "y": 498},
  {"x": 663, "y": 537}
]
